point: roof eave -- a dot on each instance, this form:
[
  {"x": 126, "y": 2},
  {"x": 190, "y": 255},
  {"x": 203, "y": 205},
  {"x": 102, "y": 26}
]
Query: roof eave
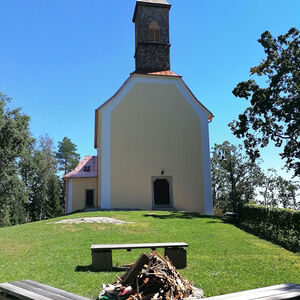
[
  {"x": 96, "y": 130},
  {"x": 72, "y": 177}
]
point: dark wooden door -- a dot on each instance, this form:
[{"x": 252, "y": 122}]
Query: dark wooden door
[
  {"x": 161, "y": 192},
  {"x": 89, "y": 198}
]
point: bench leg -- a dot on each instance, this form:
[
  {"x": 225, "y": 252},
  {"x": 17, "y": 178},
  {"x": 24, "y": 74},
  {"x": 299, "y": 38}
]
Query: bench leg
[
  {"x": 4, "y": 296},
  {"x": 102, "y": 260},
  {"x": 177, "y": 257}
]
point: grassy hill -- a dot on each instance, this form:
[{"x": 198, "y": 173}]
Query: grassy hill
[{"x": 221, "y": 258}]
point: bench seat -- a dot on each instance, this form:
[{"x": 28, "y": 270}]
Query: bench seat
[
  {"x": 275, "y": 292},
  {"x": 102, "y": 254},
  {"x": 32, "y": 290}
]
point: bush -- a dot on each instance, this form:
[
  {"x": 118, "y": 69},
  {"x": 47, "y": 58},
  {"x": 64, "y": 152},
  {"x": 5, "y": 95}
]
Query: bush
[{"x": 276, "y": 224}]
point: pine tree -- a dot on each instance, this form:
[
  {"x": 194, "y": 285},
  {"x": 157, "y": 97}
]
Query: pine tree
[{"x": 67, "y": 156}]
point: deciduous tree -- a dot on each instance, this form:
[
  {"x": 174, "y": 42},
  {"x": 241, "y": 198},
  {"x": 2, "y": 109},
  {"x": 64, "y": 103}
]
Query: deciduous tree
[
  {"x": 45, "y": 185},
  {"x": 287, "y": 193},
  {"x": 15, "y": 140},
  {"x": 234, "y": 177},
  {"x": 268, "y": 188},
  {"x": 274, "y": 113}
]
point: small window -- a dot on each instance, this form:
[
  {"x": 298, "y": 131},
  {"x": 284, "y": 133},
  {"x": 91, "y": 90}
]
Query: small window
[
  {"x": 154, "y": 32},
  {"x": 86, "y": 168}
]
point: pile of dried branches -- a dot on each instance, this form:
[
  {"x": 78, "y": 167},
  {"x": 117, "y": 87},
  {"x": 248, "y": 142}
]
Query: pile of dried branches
[{"x": 151, "y": 277}]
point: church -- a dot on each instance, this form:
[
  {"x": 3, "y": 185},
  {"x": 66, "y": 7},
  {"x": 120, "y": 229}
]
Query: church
[{"x": 151, "y": 136}]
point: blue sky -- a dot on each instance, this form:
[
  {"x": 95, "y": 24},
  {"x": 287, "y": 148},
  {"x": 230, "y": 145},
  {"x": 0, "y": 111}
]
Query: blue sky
[{"x": 61, "y": 59}]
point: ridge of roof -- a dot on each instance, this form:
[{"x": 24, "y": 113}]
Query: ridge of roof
[
  {"x": 158, "y": 73},
  {"x": 79, "y": 171}
]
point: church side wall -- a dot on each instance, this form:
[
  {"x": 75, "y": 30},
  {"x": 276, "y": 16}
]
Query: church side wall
[
  {"x": 153, "y": 129},
  {"x": 79, "y": 186}
]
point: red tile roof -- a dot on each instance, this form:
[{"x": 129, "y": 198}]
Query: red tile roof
[
  {"x": 79, "y": 171},
  {"x": 159, "y": 73}
]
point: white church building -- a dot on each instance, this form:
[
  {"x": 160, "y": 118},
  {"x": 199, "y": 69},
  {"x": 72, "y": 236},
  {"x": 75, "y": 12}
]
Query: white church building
[{"x": 151, "y": 136}]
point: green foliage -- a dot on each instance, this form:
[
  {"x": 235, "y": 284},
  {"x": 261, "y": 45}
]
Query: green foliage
[
  {"x": 221, "y": 258},
  {"x": 274, "y": 113},
  {"x": 45, "y": 186},
  {"x": 15, "y": 140},
  {"x": 55, "y": 203},
  {"x": 234, "y": 177},
  {"x": 277, "y": 191},
  {"x": 67, "y": 156},
  {"x": 287, "y": 193},
  {"x": 280, "y": 225},
  {"x": 30, "y": 189},
  {"x": 269, "y": 188}
]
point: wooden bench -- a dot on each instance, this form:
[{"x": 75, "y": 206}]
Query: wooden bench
[
  {"x": 102, "y": 254},
  {"x": 232, "y": 215},
  {"x": 32, "y": 290},
  {"x": 275, "y": 292}
]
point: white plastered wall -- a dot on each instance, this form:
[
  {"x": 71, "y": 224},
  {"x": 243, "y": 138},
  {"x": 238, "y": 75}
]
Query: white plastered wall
[
  {"x": 116, "y": 176},
  {"x": 69, "y": 200}
]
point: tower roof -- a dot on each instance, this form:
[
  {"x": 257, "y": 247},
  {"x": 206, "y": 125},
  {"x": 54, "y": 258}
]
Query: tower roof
[
  {"x": 152, "y": 3},
  {"x": 155, "y": 1}
]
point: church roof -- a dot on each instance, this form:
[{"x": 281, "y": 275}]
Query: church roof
[
  {"x": 152, "y": 3},
  {"x": 87, "y": 168},
  {"x": 159, "y": 73}
]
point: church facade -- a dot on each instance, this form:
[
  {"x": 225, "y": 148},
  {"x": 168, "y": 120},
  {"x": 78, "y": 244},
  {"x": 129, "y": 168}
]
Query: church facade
[{"x": 151, "y": 136}]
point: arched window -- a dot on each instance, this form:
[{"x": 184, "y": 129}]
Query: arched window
[{"x": 154, "y": 32}]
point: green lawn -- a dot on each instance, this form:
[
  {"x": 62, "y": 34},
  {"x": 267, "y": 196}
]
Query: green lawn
[{"x": 221, "y": 258}]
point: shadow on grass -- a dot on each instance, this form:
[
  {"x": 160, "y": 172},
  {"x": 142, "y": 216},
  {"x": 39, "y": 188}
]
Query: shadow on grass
[
  {"x": 89, "y": 268},
  {"x": 183, "y": 215}
]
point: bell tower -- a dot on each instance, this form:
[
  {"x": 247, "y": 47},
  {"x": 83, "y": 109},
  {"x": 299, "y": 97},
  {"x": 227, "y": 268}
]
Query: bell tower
[{"x": 152, "y": 40}]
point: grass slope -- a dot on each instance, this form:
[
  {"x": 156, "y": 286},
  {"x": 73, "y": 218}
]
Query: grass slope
[{"x": 221, "y": 258}]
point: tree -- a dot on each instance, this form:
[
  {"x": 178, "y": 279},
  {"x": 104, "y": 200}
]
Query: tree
[
  {"x": 29, "y": 186},
  {"x": 293, "y": 190},
  {"x": 287, "y": 193},
  {"x": 274, "y": 111},
  {"x": 234, "y": 177},
  {"x": 67, "y": 156},
  {"x": 55, "y": 205},
  {"x": 45, "y": 185},
  {"x": 15, "y": 140},
  {"x": 268, "y": 190}
]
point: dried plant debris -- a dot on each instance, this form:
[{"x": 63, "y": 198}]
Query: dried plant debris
[
  {"x": 97, "y": 220},
  {"x": 151, "y": 277}
]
